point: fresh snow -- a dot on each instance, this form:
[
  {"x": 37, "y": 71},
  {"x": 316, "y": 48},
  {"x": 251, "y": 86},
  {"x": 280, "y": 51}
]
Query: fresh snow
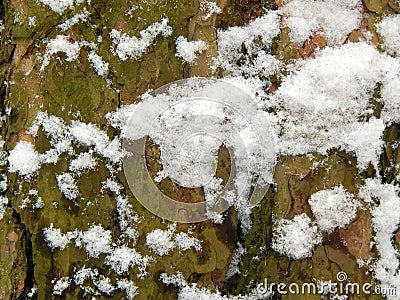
[
  {"x": 129, "y": 287},
  {"x": 230, "y": 42},
  {"x": 24, "y": 159},
  {"x": 295, "y": 238},
  {"x": 176, "y": 279},
  {"x": 163, "y": 242},
  {"x": 67, "y": 185},
  {"x": 103, "y": 284},
  {"x": 95, "y": 241},
  {"x": 61, "y": 43},
  {"x": 61, "y": 285},
  {"x": 333, "y": 208},
  {"x": 87, "y": 134},
  {"x": 324, "y": 103},
  {"x": 127, "y": 218},
  {"x": 98, "y": 64},
  {"x": 389, "y": 29},
  {"x": 84, "y": 161},
  {"x": 112, "y": 185},
  {"x": 55, "y": 238},
  {"x": 132, "y": 47},
  {"x": 3, "y": 205},
  {"x": 209, "y": 8},
  {"x": 123, "y": 258},
  {"x": 188, "y": 50},
  {"x": 384, "y": 201},
  {"x": 330, "y": 18},
  {"x": 59, "y": 6},
  {"x": 81, "y": 17}
]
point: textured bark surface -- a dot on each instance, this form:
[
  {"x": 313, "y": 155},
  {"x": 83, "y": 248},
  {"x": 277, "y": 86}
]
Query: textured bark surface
[{"x": 64, "y": 89}]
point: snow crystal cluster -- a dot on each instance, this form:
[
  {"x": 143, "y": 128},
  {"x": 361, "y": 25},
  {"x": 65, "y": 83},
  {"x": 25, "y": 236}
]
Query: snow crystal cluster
[
  {"x": 123, "y": 45},
  {"x": 333, "y": 208},
  {"x": 296, "y": 238},
  {"x": 330, "y": 18},
  {"x": 80, "y": 17},
  {"x": 102, "y": 284},
  {"x": 3, "y": 205},
  {"x": 97, "y": 241},
  {"x": 132, "y": 47},
  {"x": 384, "y": 200},
  {"x": 28, "y": 200},
  {"x": 61, "y": 43},
  {"x": 59, "y": 6},
  {"x": 98, "y": 64},
  {"x": 24, "y": 159},
  {"x": 67, "y": 185},
  {"x": 163, "y": 242},
  {"x": 259, "y": 62},
  {"x": 325, "y": 103},
  {"x": 188, "y": 50},
  {"x": 119, "y": 256},
  {"x": 209, "y": 8},
  {"x": 389, "y": 29}
]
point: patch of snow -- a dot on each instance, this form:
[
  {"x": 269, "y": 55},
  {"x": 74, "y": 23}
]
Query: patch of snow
[
  {"x": 209, "y": 8},
  {"x": 119, "y": 118},
  {"x": 32, "y": 292},
  {"x": 25, "y": 202},
  {"x": 112, "y": 185},
  {"x": 184, "y": 242},
  {"x": 132, "y": 47},
  {"x": 81, "y": 17},
  {"x": 160, "y": 241},
  {"x": 61, "y": 285},
  {"x": 24, "y": 159},
  {"x": 56, "y": 239},
  {"x": 389, "y": 29},
  {"x": 57, "y": 131},
  {"x": 103, "y": 284},
  {"x": 95, "y": 241},
  {"x": 231, "y": 41},
  {"x": 163, "y": 242},
  {"x": 236, "y": 259},
  {"x": 84, "y": 161},
  {"x": 384, "y": 200},
  {"x": 67, "y": 185},
  {"x": 32, "y": 21},
  {"x": 330, "y": 18},
  {"x": 3, "y": 183},
  {"x": 88, "y": 135},
  {"x": 61, "y": 43},
  {"x": 129, "y": 287},
  {"x": 3, "y": 205},
  {"x": 59, "y": 6},
  {"x": 295, "y": 238},
  {"x": 123, "y": 258},
  {"x": 98, "y": 64},
  {"x": 188, "y": 50},
  {"x": 176, "y": 279},
  {"x": 325, "y": 103},
  {"x": 82, "y": 275},
  {"x": 333, "y": 208},
  {"x": 127, "y": 218}
]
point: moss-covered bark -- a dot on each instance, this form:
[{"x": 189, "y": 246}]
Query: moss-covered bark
[{"x": 71, "y": 87}]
